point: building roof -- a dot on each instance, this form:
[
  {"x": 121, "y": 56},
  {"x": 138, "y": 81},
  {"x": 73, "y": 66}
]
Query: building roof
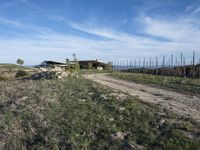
[
  {"x": 92, "y": 61},
  {"x": 54, "y": 62}
]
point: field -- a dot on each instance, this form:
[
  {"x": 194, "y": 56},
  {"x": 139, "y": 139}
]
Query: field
[
  {"x": 184, "y": 85},
  {"x": 77, "y": 113}
]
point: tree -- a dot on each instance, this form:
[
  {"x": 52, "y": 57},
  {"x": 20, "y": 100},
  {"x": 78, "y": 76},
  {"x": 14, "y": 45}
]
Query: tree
[
  {"x": 67, "y": 61},
  {"x": 109, "y": 67},
  {"x": 89, "y": 66},
  {"x": 76, "y": 62},
  {"x": 20, "y": 61}
]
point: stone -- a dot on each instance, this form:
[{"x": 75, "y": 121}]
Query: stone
[
  {"x": 118, "y": 135},
  {"x": 49, "y": 75}
]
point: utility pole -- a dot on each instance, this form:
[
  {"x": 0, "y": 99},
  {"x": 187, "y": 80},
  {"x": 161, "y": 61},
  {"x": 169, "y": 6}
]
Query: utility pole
[
  {"x": 163, "y": 61},
  {"x": 193, "y": 60},
  {"x": 135, "y": 64},
  {"x": 172, "y": 60},
  {"x": 139, "y": 63},
  {"x": 123, "y": 65},
  {"x": 193, "y": 66},
  {"x": 181, "y": 59},
  {"x": 147, "y": 64},
  {"x": 150, "y": 63},
  {"x": 193, "y": 63},
  {"x": 126, "y": 66},
  {"x": 153, "y": 64},
  {"x": 184, "y": 61},
  {"x": 156, "y": 62}
]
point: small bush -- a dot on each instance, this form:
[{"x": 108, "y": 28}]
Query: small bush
[
  {"x": 21, "y": 73},
  {"x": 2, "y": 78}
]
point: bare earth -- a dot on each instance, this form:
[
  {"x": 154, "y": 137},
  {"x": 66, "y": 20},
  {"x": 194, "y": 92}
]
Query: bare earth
[{"x": 180, "y": 104}]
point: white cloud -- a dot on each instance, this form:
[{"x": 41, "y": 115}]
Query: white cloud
[
  {"x": 197, "y": 10},
  {"x": 48, "y": 44},
  {"x": 8, "y": 22},
  {"x": 179, "y": 31}
]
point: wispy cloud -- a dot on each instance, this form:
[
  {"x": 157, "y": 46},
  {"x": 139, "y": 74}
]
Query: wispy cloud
[
  {"x": 197, "y": 10},
  {"x": 9, "y": 22},
  {"x": 47, "y": 42},
  {"x": 180, "y": 31}
]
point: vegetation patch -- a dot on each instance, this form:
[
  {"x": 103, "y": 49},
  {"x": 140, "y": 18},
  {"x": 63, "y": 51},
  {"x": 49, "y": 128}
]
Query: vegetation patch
[
  {"x": 191, "y": 86},
  {"x": 3, "y": 78},
  {"x": 80, "y": 114},
  {"x": 21, "y": 73}
]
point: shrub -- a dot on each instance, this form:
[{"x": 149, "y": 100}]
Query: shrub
[
  {"x": 21, "y": 73},
  {"x": 2, "y": 78},
  {"x": 20, "y": 62}
]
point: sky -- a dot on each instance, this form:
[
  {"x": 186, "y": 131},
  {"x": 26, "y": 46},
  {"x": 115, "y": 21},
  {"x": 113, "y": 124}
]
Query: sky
[{"x": 107, "y": 30}]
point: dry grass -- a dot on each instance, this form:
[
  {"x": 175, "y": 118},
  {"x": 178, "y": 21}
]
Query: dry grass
[{"x": 80, "y": 114}]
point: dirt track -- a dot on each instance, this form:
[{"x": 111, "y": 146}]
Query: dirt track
[{"x": 183, "y": 105}]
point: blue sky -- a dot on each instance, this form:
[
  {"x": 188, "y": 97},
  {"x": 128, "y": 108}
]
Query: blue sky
[{"x": 37, "y": 30}]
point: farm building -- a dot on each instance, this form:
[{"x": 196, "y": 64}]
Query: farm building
[
  {"x": 52, "y": 64},
  {"x": 84, "y": 64},
  {"x": 93, "y": 64}
]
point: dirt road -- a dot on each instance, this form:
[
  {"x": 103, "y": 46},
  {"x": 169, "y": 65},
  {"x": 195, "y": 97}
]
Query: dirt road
[{"x": 183, "y": 105}]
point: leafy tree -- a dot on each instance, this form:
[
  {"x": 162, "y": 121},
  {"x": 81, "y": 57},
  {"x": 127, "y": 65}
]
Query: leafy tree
[
  {"x": 76, "y": 62},
  {"x": 20, "y": 61},
  {"x": 67, "y": 61},
  {"x": 89, "y": 66},
  {"x": 109, "y": 65}
]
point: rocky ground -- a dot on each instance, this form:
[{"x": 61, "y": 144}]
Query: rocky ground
[{"x": 185, "y": 106}]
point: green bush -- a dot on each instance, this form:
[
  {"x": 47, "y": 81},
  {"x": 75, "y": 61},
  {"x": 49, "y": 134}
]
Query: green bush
[
  {"x": 2, "y": 78},
  {"x": 21, "y": 73}
]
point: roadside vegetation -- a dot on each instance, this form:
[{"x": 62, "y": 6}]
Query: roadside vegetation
[
  {"x": 187, "y": 85},
  {"x": 79, "y": 114}
]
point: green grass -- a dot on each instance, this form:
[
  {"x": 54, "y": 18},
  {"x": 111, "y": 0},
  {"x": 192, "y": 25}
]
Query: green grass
[
  {"x": 91, "y": 71},
  {"x": 10, "y": 71},
  {"x": 176, "y": 83},
  {"x": 80, "y": 114}
]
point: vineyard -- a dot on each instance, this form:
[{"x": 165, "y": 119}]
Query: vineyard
[{"x": 187, "y": 68}]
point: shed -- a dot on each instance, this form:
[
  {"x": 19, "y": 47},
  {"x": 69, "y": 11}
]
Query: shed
[{"x": 95, "y": 64}]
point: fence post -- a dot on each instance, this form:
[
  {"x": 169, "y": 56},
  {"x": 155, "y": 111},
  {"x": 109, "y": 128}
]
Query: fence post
[
  {"x": 193, "y": 63},
  {"x": 139, "y": 65},
  {"x": 172, "y": 60}
]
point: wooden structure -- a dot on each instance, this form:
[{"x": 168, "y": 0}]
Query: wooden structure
[
  {"x": 189, "y": 71},
  {"x": 52, "y": 64},
  {"x": 94, "y": 64}
]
